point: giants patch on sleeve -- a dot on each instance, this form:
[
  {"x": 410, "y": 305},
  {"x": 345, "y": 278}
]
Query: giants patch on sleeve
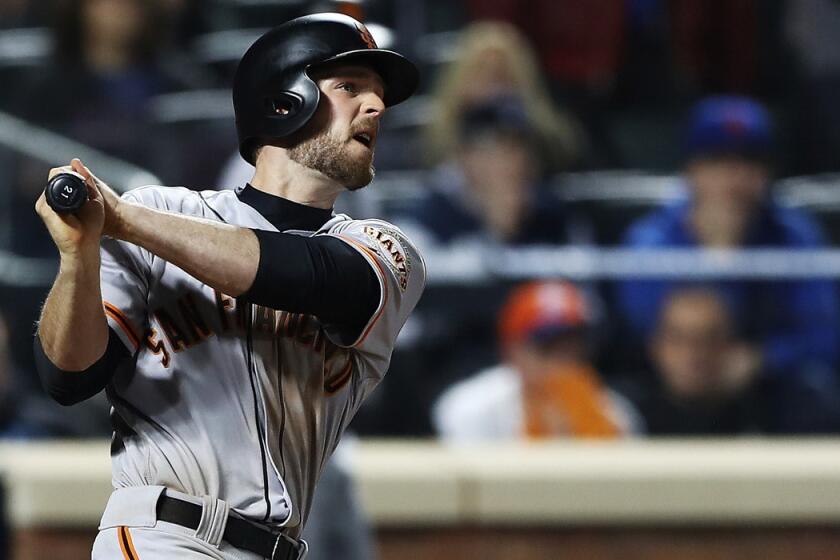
[{"x": 389, "y": 244}]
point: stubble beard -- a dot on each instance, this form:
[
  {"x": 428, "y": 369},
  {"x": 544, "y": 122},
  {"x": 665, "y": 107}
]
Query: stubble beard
[{"x": 332, "y": 157}]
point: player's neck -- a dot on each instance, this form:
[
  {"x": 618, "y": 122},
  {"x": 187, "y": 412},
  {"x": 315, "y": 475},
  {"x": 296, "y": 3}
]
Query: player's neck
[{"x": 278, "y": 175}]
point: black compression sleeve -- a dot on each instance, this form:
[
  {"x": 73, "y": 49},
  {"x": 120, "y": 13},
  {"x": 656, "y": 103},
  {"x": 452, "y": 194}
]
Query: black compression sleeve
[
  {"x": 320, "y": 275},
  {"x": 71, "y": 387}
]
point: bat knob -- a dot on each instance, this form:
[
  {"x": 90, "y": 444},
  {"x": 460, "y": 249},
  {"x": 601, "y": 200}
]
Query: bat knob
[{"x": 66, "y": 192}]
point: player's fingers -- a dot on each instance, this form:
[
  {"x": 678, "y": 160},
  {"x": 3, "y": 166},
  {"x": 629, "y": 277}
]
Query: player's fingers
[
  {"x": 70, "y": 220},
  {"x": 94, "y": 193},
  {"x": 91, "y": 209},
  {"x": 80, "y": 168},
  {"x": 92, "y": 179},
  {"x": 41, "y": 204},
  {"x": 53, "y": 219},
  {"x": 56, "y": 170},
  {"x": 84, "y": 171}
]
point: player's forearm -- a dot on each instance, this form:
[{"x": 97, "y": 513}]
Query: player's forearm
[
  {"x": 73, "y": 329},
  {"x": 222, "y": 256}
]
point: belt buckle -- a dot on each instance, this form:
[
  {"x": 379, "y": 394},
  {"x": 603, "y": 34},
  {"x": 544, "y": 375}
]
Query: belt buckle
[{"x": 294, "y": 546}]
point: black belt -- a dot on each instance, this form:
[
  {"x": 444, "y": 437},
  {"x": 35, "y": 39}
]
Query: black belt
[{"x": 239, "y": 533}]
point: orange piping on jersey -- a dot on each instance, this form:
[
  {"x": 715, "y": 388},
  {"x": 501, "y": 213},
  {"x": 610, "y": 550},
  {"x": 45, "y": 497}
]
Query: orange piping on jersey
[
  {"x": 125, "y": 324},
  {"x": 126, "y": 545},
  {"x": 375, "y": 261},
  {"x": 131, "y": 543}
]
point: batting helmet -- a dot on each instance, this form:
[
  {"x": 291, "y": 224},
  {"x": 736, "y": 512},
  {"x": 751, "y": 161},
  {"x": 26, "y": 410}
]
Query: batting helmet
[{"x": 273, "y": 92}]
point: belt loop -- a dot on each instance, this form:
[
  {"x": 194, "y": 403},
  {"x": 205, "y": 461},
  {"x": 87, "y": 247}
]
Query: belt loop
[{"x": 214, "y": 515}]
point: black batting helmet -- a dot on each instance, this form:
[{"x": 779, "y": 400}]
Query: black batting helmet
[{"x": 273, "y": 93}]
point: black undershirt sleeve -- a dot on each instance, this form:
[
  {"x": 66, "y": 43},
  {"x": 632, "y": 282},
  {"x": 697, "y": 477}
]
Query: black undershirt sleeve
[
  {"x": 71, "y": 387},
  {"x": 321, "y": 276}
]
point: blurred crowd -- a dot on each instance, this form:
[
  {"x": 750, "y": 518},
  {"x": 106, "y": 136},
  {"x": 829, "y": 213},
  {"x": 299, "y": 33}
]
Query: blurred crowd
[{"x": 519, "y": 101}]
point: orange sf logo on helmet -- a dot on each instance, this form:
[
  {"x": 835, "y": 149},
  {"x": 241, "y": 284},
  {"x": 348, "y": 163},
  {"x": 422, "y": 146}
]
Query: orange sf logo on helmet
[{"x": 366, "y": 36}]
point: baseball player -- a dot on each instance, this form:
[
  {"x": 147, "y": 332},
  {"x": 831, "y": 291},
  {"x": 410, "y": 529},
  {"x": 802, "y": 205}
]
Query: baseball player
[{"x": 237, "y": 333}]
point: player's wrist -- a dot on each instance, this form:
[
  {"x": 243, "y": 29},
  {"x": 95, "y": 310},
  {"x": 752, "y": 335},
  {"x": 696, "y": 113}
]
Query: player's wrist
[
  {"x": 80, "y": 260},
  {"x": 122, "y": 217}
]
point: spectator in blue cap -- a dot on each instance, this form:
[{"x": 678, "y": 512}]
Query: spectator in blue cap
[{"x": 792, "y": 325}]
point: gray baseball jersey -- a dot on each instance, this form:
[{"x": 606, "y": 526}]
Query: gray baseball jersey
[{"x": 237, "y": 401}]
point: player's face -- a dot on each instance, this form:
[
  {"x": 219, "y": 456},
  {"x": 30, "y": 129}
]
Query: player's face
[{"x": 351, "y": 106}]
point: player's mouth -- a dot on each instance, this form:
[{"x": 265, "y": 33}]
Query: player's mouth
[{"x": 366, "y": 139}]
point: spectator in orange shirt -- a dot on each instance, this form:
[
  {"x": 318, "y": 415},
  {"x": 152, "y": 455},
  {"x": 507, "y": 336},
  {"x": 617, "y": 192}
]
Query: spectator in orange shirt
[{"x": 547, "y": 386}]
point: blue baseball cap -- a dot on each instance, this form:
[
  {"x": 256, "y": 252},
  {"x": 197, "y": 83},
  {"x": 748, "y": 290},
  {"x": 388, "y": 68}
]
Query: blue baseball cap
[{"x": 729, "y": 125}]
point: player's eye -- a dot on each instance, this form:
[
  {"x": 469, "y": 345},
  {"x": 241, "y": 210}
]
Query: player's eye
[{"x": 348, "y": 87}]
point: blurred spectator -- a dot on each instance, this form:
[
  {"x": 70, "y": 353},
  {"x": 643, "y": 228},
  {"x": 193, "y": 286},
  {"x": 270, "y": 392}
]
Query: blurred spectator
[
  {"x": 705, "y": 382},
  {"x": 109, "y": 61},
  {"x": 107, "y": 65},
  {"x": 716, "y": 43},
  {"x": 495, "y": 60},
  {"x": 186, "y": 20},
  {"x": 546, "y": 387},
  {"x": 491, "y": 191},
  {"x": 791, "y": 324},
  {"x": 21, "y": 13},
  {"x": 730, "y": 46},
  {"x": 11, "y": 425},
  {"x": 579, "y": 42},
  {"x": 26, "y": 413},
  {"x": 627, "y": 67},
  {"x": 579, "y": 45},
  {"x": 812, "y": 28}
]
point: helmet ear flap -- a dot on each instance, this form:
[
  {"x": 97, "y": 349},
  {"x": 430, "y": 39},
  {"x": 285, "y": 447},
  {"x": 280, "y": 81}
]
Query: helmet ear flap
[
  {"x": 283, "y": 114},
  {"x": 285, "y": 105},
  {"x": 288, "y": 111}
]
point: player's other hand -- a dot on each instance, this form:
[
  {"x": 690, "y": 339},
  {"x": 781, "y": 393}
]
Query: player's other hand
[
  {"x": 74, "y": 234},
  {"x": 79, "y": 233}
]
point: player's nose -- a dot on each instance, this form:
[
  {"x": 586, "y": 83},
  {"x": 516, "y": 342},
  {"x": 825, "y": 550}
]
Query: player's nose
[{"x": 373, "y": 105}]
